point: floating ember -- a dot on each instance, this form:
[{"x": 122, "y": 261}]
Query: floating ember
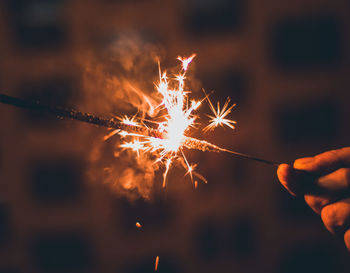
[{"x": 156, "y": 263}]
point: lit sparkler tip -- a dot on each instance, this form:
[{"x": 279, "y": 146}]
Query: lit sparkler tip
[
  {"x": 138, "y": 225},
  {"x": 165, "y": 143}
]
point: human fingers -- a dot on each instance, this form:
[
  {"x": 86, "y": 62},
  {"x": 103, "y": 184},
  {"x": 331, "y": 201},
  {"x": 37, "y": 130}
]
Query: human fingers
[
  {"x": 328, "y": 189},
  {"x": 328, "y": 173},
  {"x": 335, "y": 183},
  {"x": 326, "y": 162},
  {"x": 287, "y": 178},
  {"x": 317, "y": 202},
  {"x": 347, "y": 239},
  {"x": 336, "y": 216},
  {"x": 295, "y": 181}
]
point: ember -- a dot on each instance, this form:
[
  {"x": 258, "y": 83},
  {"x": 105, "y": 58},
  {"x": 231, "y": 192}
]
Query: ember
[{"x": 156, "y": 263}]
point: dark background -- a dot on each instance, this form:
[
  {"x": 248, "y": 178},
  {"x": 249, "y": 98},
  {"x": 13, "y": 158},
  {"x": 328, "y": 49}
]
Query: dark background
[{"x": 285, "y": 63}]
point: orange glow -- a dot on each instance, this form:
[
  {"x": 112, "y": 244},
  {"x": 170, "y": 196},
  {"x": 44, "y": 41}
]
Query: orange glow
[
  {"x": 129, "y": 121},
  {"x": 176, "y": 117},
  {"x": 186, "y": 61},
  {"x": 138, "y": 225},
  {"x": 112, "y": 133},
  {"x": 156, "y": 263},
  {"x": 219, "y": 118}
]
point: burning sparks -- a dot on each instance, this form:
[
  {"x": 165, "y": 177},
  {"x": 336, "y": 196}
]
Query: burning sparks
[
  {"x": 219, "y": 118},
  {"x": 172, "y": 126},
  {"x": 138, "y": 225},
  {"x": 156, "y": 263},
  {"x": 129, "y": 121},
  {"x": 186, "y": 61}
]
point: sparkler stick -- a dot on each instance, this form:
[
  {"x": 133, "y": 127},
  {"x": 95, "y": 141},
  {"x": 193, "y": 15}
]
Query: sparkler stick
[
  {"x": 250, "y": 157},
  {"x": 190, "y": 143},
  {"x": 61, "y": 112},
  {"x": 58, "y": 111},
  {"x": 205, "y": 146}
]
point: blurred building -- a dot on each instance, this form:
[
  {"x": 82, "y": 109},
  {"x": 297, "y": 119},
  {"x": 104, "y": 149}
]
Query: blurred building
[{"x": 287, "y": 66}]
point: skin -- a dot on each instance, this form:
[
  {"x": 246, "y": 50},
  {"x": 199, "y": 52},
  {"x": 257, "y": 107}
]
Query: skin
[{"x": 324, "y": 181}]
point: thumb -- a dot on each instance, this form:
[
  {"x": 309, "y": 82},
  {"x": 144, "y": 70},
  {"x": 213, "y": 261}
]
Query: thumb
[
  {"x": 325, "y": 163},
  {"x": 331, "y": 170},
  {"x": 296, "y": 181}
]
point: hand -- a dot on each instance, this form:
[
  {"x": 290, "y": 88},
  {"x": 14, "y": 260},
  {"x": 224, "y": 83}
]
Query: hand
[{"x": 325, "y": 184}]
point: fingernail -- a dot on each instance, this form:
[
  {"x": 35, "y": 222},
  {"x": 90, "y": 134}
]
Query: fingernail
[
  {"x": 303, "y": 161},
  {"x": 284, "y": 174},
  {"x": 282, "y": 171}
]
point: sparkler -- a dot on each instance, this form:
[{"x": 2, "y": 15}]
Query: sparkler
[
  {"x": 166, "y": 136},
  {"x": 175, "y": 122}
]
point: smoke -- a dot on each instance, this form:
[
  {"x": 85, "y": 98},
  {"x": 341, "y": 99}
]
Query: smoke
[{"x": 118, "y": 79}]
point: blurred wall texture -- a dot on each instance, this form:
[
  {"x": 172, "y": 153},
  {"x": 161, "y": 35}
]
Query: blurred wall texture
[{"x": 285, "y": 63}]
